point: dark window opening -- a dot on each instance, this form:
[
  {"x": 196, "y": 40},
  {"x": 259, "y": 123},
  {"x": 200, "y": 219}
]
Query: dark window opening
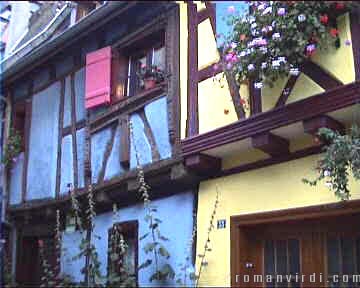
[{"x": 123, "y": 252}]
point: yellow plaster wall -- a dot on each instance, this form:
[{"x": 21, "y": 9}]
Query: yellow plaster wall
[
  {"x": 339, "y": 62},
  {"x": 216, "y": 108},
  {"x": 269, "y": 96},
  {"x": 304, "y": 88},
  {"x": 271, "y": 188},
  {"x": 208, "y": 52},
  {"x": 183, "y": 66}
]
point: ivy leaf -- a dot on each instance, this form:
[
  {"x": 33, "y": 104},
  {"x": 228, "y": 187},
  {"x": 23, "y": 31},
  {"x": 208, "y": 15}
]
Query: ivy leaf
[
  {"x": 150, "y": 247},
  {"x": 144, "y": 236},
  {"x": 147, "y": 263},
  {"x": 163, "y": 252}
]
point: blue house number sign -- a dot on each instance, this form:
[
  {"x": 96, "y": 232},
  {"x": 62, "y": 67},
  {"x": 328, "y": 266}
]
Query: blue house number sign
[{"x": 221, "y": 224}]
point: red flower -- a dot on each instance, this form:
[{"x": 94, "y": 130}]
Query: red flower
[
  {"x": 226, "y": 111},
  {"x": 41, "y": 243},
  {"x": 242, "y": 101},
  {"x": 242, "y": 37},
  {"x": 324, "y": 19},
  {"x": 334, "y": 32},
  {"x": 339, "y": 6}
]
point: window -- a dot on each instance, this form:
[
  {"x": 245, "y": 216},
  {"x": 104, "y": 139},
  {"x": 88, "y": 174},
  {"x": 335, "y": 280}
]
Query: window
[
  {"x": 112, "y": 74},
  {"x": 281, "y": 258},
  {"x": 122, "y": 260},
  {"x": 149, "y": 52},
  {"x": 343, "y": 261}
]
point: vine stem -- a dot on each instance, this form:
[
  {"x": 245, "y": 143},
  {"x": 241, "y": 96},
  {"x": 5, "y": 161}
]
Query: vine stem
[{"x": 206, "y": 247}]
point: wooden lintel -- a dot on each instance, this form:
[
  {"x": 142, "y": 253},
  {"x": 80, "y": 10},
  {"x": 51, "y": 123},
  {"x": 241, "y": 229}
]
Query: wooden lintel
[
  {"x": 102, "y": 197},
  {"x": 312, "y": 125},
  {"x": 203, "y": 164},
  {"x": 270, "y": 144}
]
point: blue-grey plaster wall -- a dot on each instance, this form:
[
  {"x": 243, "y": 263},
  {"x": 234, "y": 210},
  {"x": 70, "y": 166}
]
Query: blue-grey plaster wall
[
  {"x": 140, "y": 142},
  {"x": 99, "y": 141},
  {"x": 174, "y": 211},
  {"x": 41, "y": 177},
  {"x": 113, "y": 167},
  {"x": 63, "y": 65},
  {"x": 79, "y": 82},
  {"x": 67, "y": 102},
  {"x": 70, "y": 249},
  {"x": 156, "y": 114},
  {"x": 41, "y": 77},
  {"x": 16, "y": 180},
  {"x": 67, "y": 173},
  {"x": 80, "y": 144}
]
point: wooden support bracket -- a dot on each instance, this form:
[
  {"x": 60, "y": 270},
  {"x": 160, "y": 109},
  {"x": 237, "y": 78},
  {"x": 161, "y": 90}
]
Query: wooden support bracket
[
  {"x": 270, "y": 144},
  {"x": 312, "y": 125},
  {"x": 203, "y": 164}
]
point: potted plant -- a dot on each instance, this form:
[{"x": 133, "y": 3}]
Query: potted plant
[
  {"x": 150, "y": 76},
  {"x": 275, "y": 38}
]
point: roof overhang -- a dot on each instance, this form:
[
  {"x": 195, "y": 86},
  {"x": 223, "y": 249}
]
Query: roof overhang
[{"x": 13, "y": 70}]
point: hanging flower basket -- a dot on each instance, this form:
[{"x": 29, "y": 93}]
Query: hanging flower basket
[
  {"x": 276, "y": 37},
  {"x": 150, "y": 76}
]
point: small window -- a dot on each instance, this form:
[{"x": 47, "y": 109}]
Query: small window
[
  {"x": 149, "y": 58},
  {"x": 282, "y": 258},
  {"x": 343, "y": 259},
  {"x": 123, "y": 252}
]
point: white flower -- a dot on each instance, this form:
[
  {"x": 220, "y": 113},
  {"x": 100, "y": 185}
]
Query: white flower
[
  {"x": 267, "y": 10},
  {"x": 253, "y": 25},
  {"x": 233, "y": 45},
  {"x": 294, "y": 71},
  {"x": 301, "y": 18},
  {"x": 242, "y": 54},
  {"x": 328, "y": 184},
  {"x": 282, "y": 59},
  {"x": 258, "y": 85},
  {"x": 327, "y": 173},
  {"x": 263, "y": 65},
  {"x": 276, "y": 35},
  {"x": 251, "y": 67},
  {"x": 275, "y": 63},
  {"x": 263, "y": 49},
  {"x": 251, "y": 19},
  {"x": 261, "y": 7}
]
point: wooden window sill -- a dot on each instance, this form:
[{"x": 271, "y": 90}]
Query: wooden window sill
[{"x": 128, "y": 104}]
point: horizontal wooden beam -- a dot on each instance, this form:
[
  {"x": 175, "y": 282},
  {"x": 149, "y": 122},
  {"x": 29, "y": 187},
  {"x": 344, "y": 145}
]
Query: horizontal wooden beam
[
  {"x": 203, "y": 164},
  {"x": 208, "y": 72},
  {"x": 335, "y": 99},
  {"x": 270, "y": 144},
  {"x": 312, "y": 125}
]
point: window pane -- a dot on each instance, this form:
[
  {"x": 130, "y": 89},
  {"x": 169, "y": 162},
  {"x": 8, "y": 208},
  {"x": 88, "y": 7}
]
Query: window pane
[
  {"x": 333, "y": 256},
  {"x": 294, "y": 257},
  {"x": 281, "y": 258},
  {"x": 159, "y": 58},
  {"x": 269, "y": 258},
  {"x": 347, "y": 255}
]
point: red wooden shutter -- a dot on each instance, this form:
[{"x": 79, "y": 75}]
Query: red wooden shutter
[{"x": 98, "y": 78}]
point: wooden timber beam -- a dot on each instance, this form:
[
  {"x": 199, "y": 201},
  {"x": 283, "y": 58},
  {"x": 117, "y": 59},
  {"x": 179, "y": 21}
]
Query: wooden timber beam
[
  {"x": 320, "y": 76},
  {"x": 270, "y": 144}
]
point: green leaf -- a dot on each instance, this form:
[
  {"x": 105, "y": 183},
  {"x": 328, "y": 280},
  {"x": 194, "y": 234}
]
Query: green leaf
[
  {"x": 163, "y": 252},
  {"x": 150, "y": 247}
]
